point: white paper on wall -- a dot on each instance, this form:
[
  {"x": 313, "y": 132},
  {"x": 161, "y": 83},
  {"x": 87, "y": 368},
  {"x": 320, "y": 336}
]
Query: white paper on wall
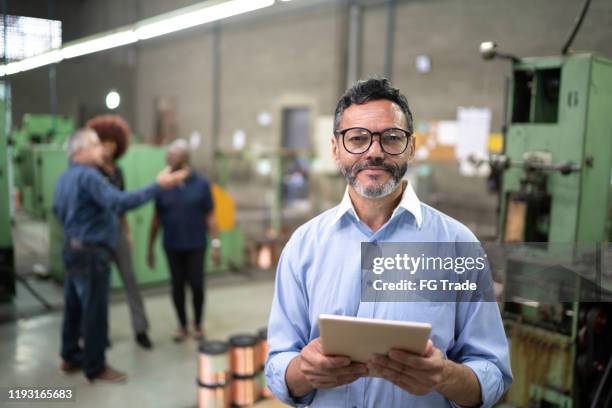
[
  {"x": 473, "y": 128},
  {"x": 323, "y": 133},
  {"x": 447, "y": 132}
]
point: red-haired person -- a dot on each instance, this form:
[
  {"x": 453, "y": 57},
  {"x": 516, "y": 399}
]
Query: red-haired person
[{"x": 114, "y": 134}]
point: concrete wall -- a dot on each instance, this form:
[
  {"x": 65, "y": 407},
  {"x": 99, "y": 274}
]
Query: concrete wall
[
  {"x": 82, "y": 85},
  {"x": 281, "y": 54},
  {"x": 295, "y": 54},
  {"x": 450, "y": 31},
  {"x": 277, "y": 55}
]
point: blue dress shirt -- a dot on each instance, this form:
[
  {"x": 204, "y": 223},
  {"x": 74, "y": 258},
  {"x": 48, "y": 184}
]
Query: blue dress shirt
[
  {"x": 320, "y": 272},
  {"x": 88, "y": 206}
]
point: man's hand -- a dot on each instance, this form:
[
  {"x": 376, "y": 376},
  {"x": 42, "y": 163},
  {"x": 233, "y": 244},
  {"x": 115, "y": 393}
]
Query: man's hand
[
  {"x": 419, "y": 375},
  {"x": 216, "y": 256},
  {"x": 168, "y": 179},
  {"x": 312, "y": 370},
  {"x": 151, "y": 258}
]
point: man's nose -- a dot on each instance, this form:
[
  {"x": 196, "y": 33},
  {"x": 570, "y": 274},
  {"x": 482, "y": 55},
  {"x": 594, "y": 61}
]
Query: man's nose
[{"x": 375, "y": 149}]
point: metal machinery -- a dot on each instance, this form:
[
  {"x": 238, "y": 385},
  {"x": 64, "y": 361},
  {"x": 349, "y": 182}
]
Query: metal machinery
[
  {"x": 7, "y": 259},
  {"x": 555, "y": 225},
  {"x": 141, "y": 164},
  {"x": 39, "y": 159}
]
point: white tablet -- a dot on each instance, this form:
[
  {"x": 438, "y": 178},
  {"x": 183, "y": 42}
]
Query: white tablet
[{"x": 359, "y": 338}]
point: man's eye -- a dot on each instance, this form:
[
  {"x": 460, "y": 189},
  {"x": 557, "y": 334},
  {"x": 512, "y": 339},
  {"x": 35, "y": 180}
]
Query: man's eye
[
  {"x": 393, "y": 138},
  {"x": 358, "y": 138}
]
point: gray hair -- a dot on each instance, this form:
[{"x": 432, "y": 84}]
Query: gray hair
[
  {"x": 180, "y": 146},
  {"x": 80, "y": 140}
]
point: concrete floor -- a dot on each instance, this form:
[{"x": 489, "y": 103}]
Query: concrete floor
[{"x": 163, "y": 377}]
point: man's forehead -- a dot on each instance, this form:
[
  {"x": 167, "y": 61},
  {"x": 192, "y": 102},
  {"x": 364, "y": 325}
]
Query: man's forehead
[
  {"x": 93, "y": 138},
  {"x": 375, "y": 110}
]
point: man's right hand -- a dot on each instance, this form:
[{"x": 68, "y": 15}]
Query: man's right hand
[
  {"x": 168, "y": 179},
  {"x": 312, "y": 370},
  {"x": 151, "y": 258}
]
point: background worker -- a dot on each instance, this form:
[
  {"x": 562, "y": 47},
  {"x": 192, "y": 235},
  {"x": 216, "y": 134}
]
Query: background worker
[
  {"x": 88, "y": 206},
  {"x": 114, "y": 134},
  {"x": 186, "y": 216}
]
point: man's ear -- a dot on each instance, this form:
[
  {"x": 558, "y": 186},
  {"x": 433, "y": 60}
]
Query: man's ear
[
  {"x": 334, "y": 143},
  {"x": 411, "y": 148}
]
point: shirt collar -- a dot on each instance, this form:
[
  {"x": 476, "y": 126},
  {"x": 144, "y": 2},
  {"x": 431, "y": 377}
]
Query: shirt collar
[{"x": 409, "y": 202}]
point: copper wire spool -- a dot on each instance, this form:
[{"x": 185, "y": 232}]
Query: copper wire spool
[
  {"x": 245, "y": 391},
  {"x": 242, "y": 355},
  {"x": 213, "y": 367},
  {"x": 262, "y": 347},
  {"x": 219, "y": 396}
]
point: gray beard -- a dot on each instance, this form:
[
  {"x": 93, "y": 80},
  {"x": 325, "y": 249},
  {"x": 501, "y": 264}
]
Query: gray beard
[{"x": 381, "y": 190}]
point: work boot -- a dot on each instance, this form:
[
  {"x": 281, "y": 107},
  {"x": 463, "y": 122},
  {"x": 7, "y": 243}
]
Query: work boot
[{"x": 109, "y": 375}]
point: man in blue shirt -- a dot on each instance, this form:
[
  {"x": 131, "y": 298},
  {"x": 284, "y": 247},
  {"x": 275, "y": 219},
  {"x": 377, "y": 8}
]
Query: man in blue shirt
[
  {"x": 186, "y": 216},
  {"x": 88, "y": 206},
  {"x": 466, "y": 362}
]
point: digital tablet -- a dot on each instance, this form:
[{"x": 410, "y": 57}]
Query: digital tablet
[{"x": 359, "y": 338}]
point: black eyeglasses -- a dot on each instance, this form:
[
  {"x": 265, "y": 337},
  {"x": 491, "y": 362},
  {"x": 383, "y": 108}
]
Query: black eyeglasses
[{"x": 358, "y": 140}]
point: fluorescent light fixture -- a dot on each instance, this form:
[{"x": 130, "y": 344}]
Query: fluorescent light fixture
[
  {"x": 196, "y": 15},
  {"x": 201, "y": 13},
  {"x": 92, "y": 44},
  {"x": 50, "y": 57}
]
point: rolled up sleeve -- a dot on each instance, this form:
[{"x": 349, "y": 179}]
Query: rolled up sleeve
[
  {"x": 492, "y": 384},
  {"x": 289, "y": 326},
  {"x": 275, "y": 375},
  {"x": 482, "y": 346}
]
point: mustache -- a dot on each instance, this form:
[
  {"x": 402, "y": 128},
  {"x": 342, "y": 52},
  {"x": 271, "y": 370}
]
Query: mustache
[{"x": 390, "y": 168}]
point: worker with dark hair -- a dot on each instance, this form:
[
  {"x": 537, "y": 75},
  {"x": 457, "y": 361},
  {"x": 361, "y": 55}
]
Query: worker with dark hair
[
  {"x": 186, "y": 216},
  {"x": 114, "y": 134},
  {"x": 466, "y": 360}
]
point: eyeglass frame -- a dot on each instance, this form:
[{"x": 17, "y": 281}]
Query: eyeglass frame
[{"x": 372, "y": 134}]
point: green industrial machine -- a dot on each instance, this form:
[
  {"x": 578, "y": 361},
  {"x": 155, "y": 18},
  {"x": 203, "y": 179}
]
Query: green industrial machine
[
  {"x": 7, "y": 258},
  {"x": 42, "y": 129},
  {"x": 38, "y": 169},
  {"x": 555, "y": 223},
  {"x": 141, "y": 164},
  {"x": 39, "y": 159}
]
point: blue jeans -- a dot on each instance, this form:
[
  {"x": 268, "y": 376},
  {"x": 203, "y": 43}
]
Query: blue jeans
[{"x": 86, "y": 290}]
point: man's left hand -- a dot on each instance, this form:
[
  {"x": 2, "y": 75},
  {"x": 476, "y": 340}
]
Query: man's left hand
[
  {"x": 419, "y": 375},
  {"x": 216, "y": 256}
]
